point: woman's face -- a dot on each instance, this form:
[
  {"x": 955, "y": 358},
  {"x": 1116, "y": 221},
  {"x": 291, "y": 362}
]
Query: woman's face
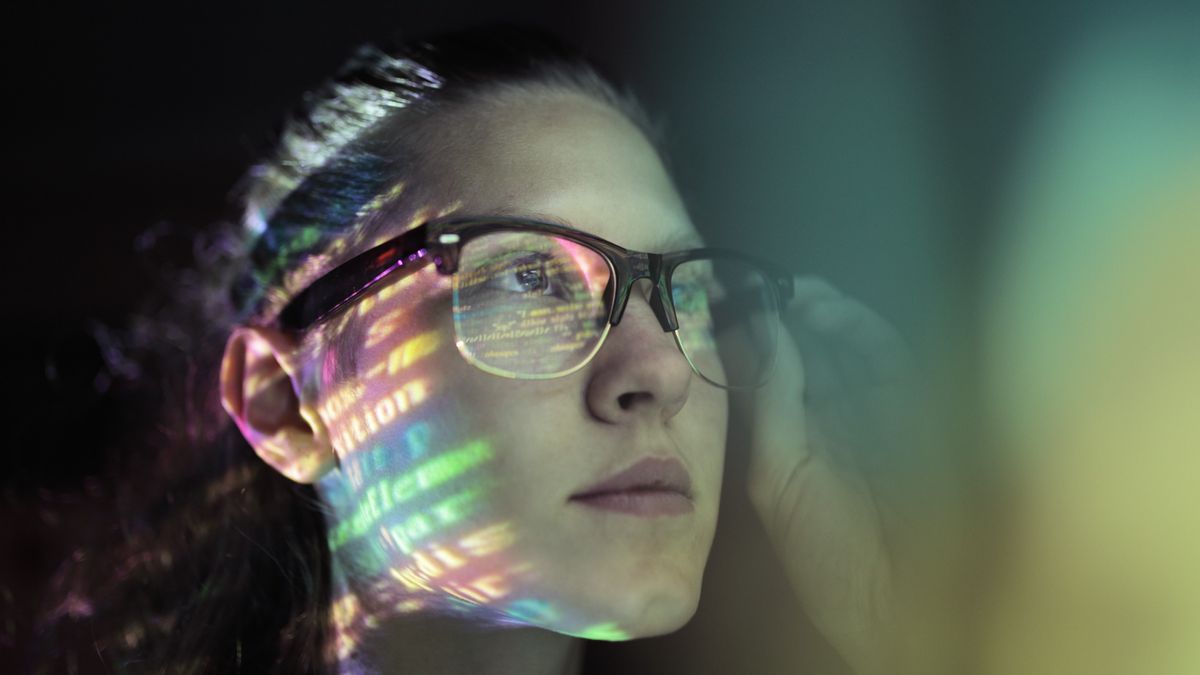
[{"x": 455, "y": 485}]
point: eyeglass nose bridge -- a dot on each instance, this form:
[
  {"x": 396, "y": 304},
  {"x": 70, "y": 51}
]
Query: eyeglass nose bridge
[{"x": 644, "y": 266}]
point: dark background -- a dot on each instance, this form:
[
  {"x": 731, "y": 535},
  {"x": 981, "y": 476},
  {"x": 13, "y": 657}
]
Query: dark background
[{"x": 865, "y": 142}]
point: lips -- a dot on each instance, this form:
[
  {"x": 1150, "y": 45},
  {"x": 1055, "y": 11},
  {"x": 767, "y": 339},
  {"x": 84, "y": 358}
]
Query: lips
[{"x": 652, "y": 474}]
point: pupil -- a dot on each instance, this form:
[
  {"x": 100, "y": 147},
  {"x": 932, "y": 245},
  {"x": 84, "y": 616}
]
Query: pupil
[{"x": 530, "y": 279}]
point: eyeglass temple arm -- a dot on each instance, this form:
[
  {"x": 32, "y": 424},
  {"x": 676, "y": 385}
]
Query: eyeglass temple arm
[{"x": 401, "y": 255}]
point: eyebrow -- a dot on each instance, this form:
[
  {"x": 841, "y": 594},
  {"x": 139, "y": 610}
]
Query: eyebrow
[{"x": 678, "y": 241}]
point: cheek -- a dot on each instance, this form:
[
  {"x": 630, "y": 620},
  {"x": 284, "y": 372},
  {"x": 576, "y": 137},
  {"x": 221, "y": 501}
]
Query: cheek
[
  {"x": 453, "y": 482},
  {"x": 705, "y": 432},
  {"x": 420, "y": 515},
  {"x": 424, "y": 501}
]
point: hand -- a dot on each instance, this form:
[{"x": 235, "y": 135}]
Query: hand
[{"x": 826, "y": 433}]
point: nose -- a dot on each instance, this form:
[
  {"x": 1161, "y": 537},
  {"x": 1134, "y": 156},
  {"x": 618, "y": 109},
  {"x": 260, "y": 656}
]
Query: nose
[{"x": 639, "y": 373}]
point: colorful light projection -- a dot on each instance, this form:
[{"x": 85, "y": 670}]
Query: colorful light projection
[
  {"x": 380, "y": 498},
  {"x": 410, "y": 501},
  {"x": 529, "y": 303},
  {"x": 411, "y": 514}
]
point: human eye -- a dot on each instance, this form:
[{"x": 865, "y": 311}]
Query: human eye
[{"x": 524, "y": 273}]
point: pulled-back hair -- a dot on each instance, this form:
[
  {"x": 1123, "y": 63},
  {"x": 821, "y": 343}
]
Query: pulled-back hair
[{"x": 218, "y": 563}]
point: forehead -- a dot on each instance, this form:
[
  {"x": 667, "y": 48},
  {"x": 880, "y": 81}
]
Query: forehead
[{"x": 561, "y": 157}]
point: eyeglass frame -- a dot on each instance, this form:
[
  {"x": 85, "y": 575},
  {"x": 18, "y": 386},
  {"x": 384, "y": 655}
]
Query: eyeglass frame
[{"x": 441, "y": 241}]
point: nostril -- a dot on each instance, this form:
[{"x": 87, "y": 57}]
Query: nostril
[{"x": 627, "y": 400}]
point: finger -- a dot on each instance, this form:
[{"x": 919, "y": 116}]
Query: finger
[
  {"x": 822, "y": 308},
  {"x": 883, "y": 352},
  {"x": 832, "y": 370},
  {"x": 820, "y": 365},
  {"x": 807, "y": 290},
  {"x": 776, "y": 414},
  {"x": 826, "y": 397},
  {"x": 820, "y": 368},
  {"x": 860, "y": 384}
]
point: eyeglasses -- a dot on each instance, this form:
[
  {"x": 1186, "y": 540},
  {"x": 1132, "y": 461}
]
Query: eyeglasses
[{"x": 535, "y": 300}]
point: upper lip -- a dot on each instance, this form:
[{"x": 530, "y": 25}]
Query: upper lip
[{"x": 651, "y": 473}]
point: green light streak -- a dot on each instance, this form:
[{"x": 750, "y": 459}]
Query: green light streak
[
  {"x": 384, "y": 496},
  {"x": 603, "y": 631}
]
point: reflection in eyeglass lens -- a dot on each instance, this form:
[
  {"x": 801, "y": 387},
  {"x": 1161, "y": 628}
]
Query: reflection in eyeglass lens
[
  {"x": 529, "y": 303},
  {"x": 727, "y": 319}
]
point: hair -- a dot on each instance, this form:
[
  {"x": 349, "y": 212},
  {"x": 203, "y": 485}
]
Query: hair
[{"x": 217, "y": 562}]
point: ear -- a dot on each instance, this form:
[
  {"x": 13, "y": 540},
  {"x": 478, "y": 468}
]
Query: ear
[{"x": 261, "y": 390}]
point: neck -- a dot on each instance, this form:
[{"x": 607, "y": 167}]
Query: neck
[{"x": 420, "y": 643}]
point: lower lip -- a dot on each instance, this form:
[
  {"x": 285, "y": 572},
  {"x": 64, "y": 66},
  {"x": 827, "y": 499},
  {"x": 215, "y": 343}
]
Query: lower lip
[{"x": 647, "y": 503}]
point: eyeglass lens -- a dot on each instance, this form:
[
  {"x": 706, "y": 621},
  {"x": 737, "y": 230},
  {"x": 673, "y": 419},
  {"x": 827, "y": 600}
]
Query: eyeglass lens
[
  {"x": 728, "y": 320},
  {"x": 535, "y": 305}
]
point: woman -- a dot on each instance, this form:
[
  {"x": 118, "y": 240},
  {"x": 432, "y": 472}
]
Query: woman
[{"x": 512, "y": 419}]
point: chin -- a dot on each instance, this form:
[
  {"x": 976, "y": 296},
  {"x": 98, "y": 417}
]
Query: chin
[
  {"x": 610, "y": 611},
  {"x": 665, "y": 616},
  {"x": 632, "y": 613}
]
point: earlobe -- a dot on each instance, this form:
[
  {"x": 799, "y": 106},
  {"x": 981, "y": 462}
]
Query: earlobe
[{"x": 259, "y": 390}]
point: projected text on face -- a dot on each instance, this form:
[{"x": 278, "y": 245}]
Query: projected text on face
[{"x": 528, "y": 303}]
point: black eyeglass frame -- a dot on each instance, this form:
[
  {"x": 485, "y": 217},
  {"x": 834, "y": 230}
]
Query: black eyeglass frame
[{"x": 440, "y": 241}]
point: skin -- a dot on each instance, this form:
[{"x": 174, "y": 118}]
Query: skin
[
  {"x": 521, "y": 552},
  {"x": 488, "y": 567}
]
